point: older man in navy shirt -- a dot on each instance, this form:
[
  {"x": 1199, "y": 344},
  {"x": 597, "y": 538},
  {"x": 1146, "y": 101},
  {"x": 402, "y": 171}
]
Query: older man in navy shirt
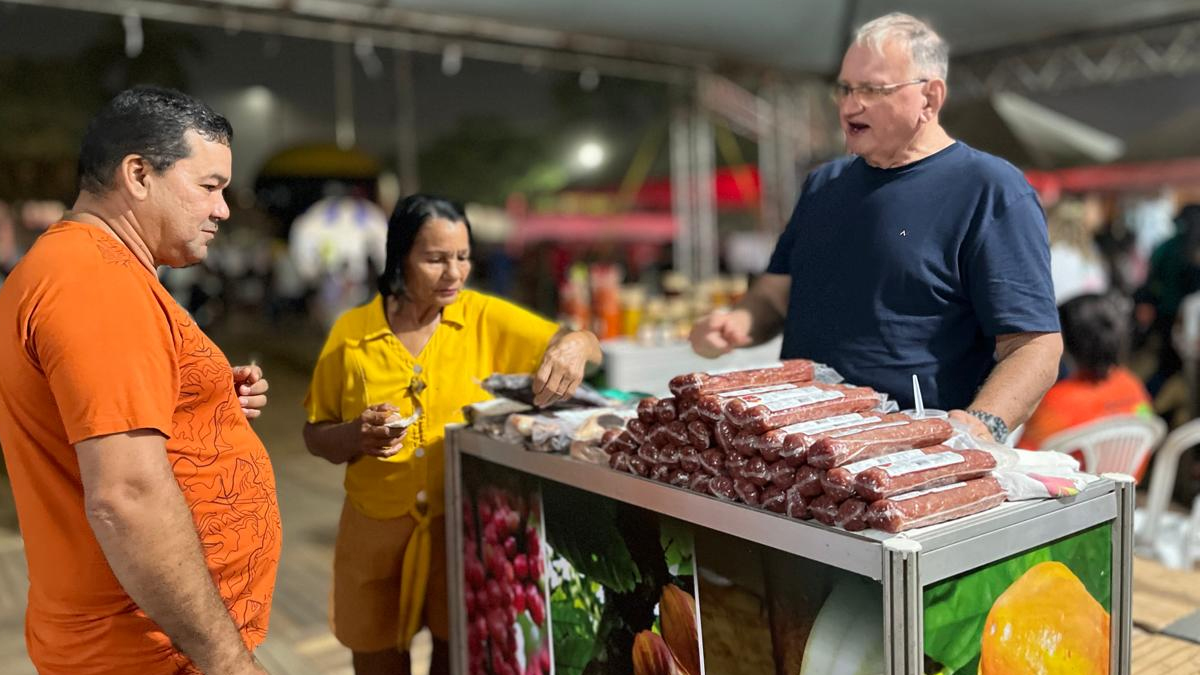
[{"x": 917, "y": 254}]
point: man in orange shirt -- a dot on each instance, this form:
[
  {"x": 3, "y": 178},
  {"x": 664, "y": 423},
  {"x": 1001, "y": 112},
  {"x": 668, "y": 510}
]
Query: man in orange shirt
[{"x": 146, "y": 502}]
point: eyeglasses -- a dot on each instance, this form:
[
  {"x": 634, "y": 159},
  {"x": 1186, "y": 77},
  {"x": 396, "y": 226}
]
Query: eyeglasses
[{"x": 866, "y": 94}]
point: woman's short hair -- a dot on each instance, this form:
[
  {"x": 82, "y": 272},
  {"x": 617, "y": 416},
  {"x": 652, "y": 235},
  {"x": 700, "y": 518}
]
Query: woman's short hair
[
  {"x": 410, "y": 215},
  {"x": 1095, "y": 332}
]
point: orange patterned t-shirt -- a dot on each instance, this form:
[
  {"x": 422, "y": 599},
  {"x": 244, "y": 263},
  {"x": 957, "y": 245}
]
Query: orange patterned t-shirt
[{"x": 91, "y": 344}]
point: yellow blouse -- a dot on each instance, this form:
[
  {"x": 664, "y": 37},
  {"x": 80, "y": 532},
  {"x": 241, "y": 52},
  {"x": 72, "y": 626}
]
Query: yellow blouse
[{"x": 363, "y": 363}]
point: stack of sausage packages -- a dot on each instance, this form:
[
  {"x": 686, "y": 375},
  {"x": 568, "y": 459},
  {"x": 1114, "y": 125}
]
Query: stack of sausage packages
[{"x": 776, "y": 439}]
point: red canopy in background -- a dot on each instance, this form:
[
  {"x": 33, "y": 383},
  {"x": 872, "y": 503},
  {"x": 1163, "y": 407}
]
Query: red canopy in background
[
  {"x": 734, "y": 187},
  {"x": 1115, "y": 177}
]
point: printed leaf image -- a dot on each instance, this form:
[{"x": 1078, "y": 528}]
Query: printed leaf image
[{"x": 617, "y": 572}]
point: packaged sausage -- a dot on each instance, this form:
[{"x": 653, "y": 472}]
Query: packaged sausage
[
  {"x": 774, "y": 499},
  {"x": 687, "y": 410},
  {"x": 609, "y": 444},
  {"x": 747, "y": 492},
  {"x": 711, "y": 407},
  {"x": 637, "y": 430},
  {"x": 694, "y": 385},
  {"x": 935, "y": 505},
  {"x": 648, "y": 452},
  {"x": 669, "y": 455},
  {"x": 689, "y": 459},
  {"x": 808, "y": 481},
  {"x": 824, "y": 509},
  {"x": 925, "y": 471},
  {"x": 793, "y": 441},
  {"x": 756, "y": 471},
  {"x": 712, "y": 462},
  {"x": 677, "y": 431},
  {"x": 678, "y": 477},
  {"x": 619, "y": 461},
  {"x": 660, "y": 473},
  {"x": 781, "y": 474},
  {"x": 639, "y": 466},
  {"x": 647, "y": 411},
  {"x": 725, "y": 434},
  {"x": 722, "y": 487},
  {"x": 700, "y": 434},
  {"x": 758, "y": 414},
  {"x": 734, "y": 464},
  {"x": 850, "y": 445},
  {"x": 796, "y": 505},
  {"x": 666, "y": 411},
  {"x": 839, "y": 482},
  {"x": 656, "y": 435},
  {"x": 851, "y": 515},
  {"x": 699, "y": 483}
]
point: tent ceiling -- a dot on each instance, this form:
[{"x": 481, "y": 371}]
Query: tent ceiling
[{"x": 798, "y": 35}]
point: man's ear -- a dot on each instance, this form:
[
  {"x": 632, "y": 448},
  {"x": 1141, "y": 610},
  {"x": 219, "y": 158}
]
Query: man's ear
[
  {"x": 935, "y": 98},
  {"x": 133, "y": 174}
]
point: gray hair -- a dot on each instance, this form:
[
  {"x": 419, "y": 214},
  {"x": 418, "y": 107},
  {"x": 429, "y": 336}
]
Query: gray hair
[{"x": 930, "y": 53}]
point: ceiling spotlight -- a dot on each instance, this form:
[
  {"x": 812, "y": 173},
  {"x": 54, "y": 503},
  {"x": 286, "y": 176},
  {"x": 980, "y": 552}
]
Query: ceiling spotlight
[
  {"x": 590, "y": 155},
  {"x": 135, "y": 39},
  {"x": 589, "y": 79},
  {"x": 452, "y": 59}
]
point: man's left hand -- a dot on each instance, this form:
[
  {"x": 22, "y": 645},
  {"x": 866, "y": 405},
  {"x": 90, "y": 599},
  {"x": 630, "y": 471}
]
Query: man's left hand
[
  {"x": 251, "y": 389},
  {"x": 974, "y": 425}
]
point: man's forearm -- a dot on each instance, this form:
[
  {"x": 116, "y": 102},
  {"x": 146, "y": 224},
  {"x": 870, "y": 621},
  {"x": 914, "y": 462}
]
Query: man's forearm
[
  {"x": 766, "y": 303},
  {"x": 1024, "y": 373},
  {"x": 151, "y": 545}
]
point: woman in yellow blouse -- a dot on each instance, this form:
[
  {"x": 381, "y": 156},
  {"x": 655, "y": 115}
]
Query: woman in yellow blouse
[{"x": 424, "y": 343}]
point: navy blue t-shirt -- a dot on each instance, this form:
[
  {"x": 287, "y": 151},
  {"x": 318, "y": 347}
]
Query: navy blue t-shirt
[{"x": 915, "y": 269}]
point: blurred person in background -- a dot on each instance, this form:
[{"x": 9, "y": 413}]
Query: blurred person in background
[
  {"x": 916, "y": 255},
  {"x": 10, "y": 253},
  {"x": 1095, "y": 331},
  {"x": 146, "y": 502},
  {"x": 1076, "y": 265},
  {"x": 1174, "y": 274},
  {"x": 421, "y": 346}
]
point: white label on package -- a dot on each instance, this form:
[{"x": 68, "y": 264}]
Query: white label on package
[
  {"x": 922, "y": 493},
  {"x": 757, "y": 390},
  {"x": 922, "y": 463},
  {"x": 828, "y": 424},
  {"x": 871, "y": 427},
  {"x": 864, "y": 464},
  {"x": 739, "y": 369},
  {"x": 793, "y": 398}
]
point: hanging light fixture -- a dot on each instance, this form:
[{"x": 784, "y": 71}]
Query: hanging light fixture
[{"x": 135, "y": 39}]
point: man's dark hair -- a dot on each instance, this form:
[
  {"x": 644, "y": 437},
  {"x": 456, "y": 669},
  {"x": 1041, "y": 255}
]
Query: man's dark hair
[
  {"x": 410, "y": 215},
  {"x": 146, "y": 121},
  {"x": 1095, "y": 332}
]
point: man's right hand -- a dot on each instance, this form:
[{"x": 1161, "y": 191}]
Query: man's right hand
[
  {"x": 721, "y": 332},
  {"x": 375, "y": 438}
]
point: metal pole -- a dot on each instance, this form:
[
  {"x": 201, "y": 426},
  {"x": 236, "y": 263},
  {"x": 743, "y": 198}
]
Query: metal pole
[
  {"x": 903, "y": 608},
  {"x": 1121, "y": 623},
  {"x": 343, "y": 95},
  {"x": 682, "y": 186},
  {"x": 455, "y": 573},
  {"x": 406, "y": 124},
  {"x": 704, "y": 265}
]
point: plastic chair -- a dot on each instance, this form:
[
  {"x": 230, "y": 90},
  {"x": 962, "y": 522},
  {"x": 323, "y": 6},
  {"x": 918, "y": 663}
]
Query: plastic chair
[
  {"x": 1116, "y": 444},
  {"x": 1154, "y": 516}
]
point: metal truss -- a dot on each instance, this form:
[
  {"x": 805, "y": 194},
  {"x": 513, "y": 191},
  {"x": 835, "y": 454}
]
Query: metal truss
[{"x": 1132, "y": 54}]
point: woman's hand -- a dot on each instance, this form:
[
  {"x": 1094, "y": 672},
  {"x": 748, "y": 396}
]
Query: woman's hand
[
  {"x": 375, "y": 438},
  {"x": 563, "y": 366}
]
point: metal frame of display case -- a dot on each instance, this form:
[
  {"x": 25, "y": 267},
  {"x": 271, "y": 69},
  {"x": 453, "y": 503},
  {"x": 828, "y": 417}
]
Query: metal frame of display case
[{"x": 905, "y": 563}]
